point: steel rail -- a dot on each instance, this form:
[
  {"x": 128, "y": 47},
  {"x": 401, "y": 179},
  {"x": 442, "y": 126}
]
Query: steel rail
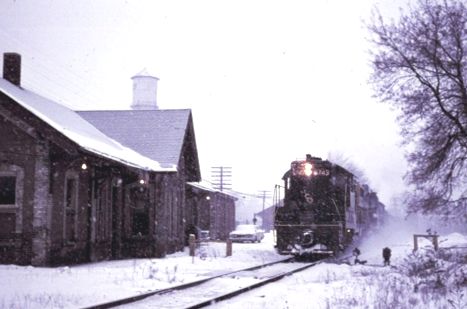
[
  {"x": 135, "y": 298},
  {"x": 250, "y": 287}
]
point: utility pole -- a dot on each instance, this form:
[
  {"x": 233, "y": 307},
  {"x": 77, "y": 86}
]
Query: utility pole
[
  {"x": 221, "y": 177},
  {"x": 264, "y": 194}
]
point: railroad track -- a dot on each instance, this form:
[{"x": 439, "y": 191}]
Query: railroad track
[{"x": 207, "y": 291}]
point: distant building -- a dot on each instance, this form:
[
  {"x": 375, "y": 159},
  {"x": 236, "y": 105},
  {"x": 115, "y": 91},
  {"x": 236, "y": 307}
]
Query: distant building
[
  {"x": 86, "y": 186},
  {"x": 246, "y": 208},
  {"x": 267, "y": 218}
]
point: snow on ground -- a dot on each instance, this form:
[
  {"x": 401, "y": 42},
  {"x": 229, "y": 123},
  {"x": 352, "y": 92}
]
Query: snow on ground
[
  {"x": 84, "y": 285},
  {"x": 324, "y": 286},
  {"x": 372, "y": 285}
]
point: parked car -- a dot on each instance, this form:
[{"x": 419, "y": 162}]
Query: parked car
[
  {"x": 246, "y": 232},
  {"x": 203, "y": 235},
  {"x": 200, "y": 235}
]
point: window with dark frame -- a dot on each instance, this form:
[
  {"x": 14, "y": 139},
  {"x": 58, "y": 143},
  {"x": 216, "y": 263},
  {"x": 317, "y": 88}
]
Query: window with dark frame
[
  {"x": 71, "y": 201},
  {"x": 7, "y": 199},
  {"x": 140, "y": 211},
  {"x": 11, "y": 188},
  {"x": 103, "y": 212},
  {"x": 7, "y": 190},
  {"x": 140, "y": 222}
]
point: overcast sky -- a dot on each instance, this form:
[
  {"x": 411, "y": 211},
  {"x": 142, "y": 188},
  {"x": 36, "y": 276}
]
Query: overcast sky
[{"x": 267, "y": 81}]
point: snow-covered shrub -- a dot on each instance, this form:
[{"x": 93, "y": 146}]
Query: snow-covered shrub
[
  {"x": 171, "y": 274},
  {"x": 457, "y": 297},
  {"x": 383, "y": 290},
  {"x": 456, "y": 280},
  {"x": 42, "y": 300},
  {"x": 391, "y": 291},
  {"x": 207, "y": 252},
  {"x": 437, "y": 274},
  {"x": 364, "y": 271},
  {"x": 420, "y": 263},
  {"x": 425, "y": 269},
  {"x": 152, "y": 270}
]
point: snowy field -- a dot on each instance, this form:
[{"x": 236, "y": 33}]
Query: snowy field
[{"x": 427, "y": 279}]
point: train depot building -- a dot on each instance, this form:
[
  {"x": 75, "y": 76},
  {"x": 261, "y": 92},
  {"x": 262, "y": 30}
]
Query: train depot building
[{"x": 78, "y": 187}]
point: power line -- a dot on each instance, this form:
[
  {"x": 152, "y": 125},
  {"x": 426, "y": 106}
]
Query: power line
[
  {"x": 264, "y": 194},
  {"x": 243, "y": 194}
]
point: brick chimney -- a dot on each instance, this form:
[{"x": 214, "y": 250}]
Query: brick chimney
[
  {"x": 144, "y": 91},
  {"x": 12, "y": 68}
]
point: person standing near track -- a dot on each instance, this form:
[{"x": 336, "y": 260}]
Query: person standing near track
[
  {"x": 387, "y": 256},
  {"x": 356, "y": 253}
]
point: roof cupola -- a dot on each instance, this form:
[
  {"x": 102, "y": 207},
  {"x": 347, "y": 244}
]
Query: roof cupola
[{"x": 144, "y": 91}]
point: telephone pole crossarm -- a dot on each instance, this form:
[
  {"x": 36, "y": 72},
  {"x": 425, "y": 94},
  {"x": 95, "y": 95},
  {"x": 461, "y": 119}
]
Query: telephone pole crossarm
[{"x": 221, "y": 177}]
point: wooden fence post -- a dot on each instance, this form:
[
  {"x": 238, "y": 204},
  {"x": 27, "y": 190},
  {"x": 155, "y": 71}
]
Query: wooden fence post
[
  {"x": 229, "y": 247},
  {"x": 192, "y": 244},
  {"x": 435, "y": 242}
]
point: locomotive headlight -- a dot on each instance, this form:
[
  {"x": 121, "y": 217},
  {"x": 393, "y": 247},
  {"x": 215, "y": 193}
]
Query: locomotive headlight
[
  {"x": 308, "y": 169},
  {"x": 307, "y": 238}
]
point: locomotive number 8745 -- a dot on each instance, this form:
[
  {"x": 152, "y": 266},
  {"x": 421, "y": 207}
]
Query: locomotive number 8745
[{"x": 318, "y": 216}]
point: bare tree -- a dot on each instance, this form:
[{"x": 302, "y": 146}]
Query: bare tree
[{"x": 420, "y": 67}]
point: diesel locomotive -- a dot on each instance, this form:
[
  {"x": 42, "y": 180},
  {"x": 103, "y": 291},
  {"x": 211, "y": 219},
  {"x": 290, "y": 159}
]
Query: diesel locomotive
[{"x": 324, "y": 209}]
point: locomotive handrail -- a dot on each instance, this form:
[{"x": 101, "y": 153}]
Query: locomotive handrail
[{"x": 337, "y": 209}]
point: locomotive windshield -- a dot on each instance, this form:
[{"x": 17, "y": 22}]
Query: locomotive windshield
[{"x": 308, "y": 169}]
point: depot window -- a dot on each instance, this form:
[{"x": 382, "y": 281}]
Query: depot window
[
  {"x": 140, "y": 210},
  {"x": 70, "y": 219},
  {"x": 7, "y": 190}
]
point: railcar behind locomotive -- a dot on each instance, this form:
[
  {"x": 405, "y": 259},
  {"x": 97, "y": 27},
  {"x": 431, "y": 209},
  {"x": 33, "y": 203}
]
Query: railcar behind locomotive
[{"x": 319, "y": 213}]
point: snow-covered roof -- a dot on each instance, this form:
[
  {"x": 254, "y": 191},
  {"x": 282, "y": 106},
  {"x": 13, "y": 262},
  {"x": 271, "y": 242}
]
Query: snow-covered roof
[
  {"x": 203, "y": 185},
  {"x": 157, "y": 134},
  {"x": 77, "y": 129},
  {"x": 207, "y": 186}
]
